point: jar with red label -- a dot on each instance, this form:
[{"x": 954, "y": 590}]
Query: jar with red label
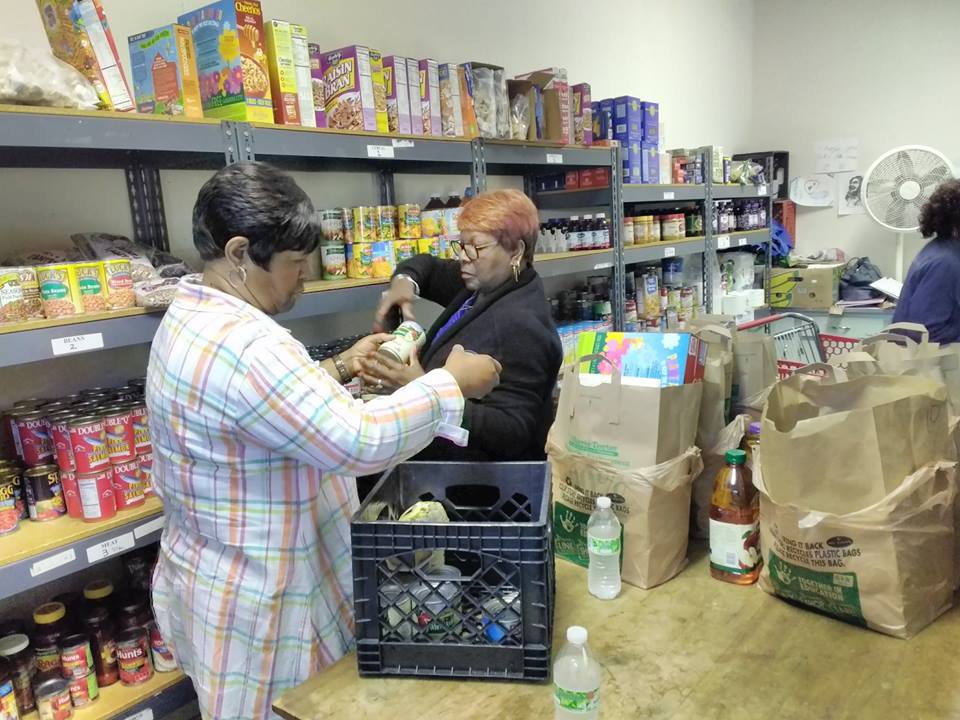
[
  {"x": 89, "y": 441},
  {"x": 118, "y": 424},
  {"x": 23, "y": 664},
  {"x": 34, "y": 432},
  {"x": 163, "y": 660},
  {"x": 71, "y": 493},
  {"x": 132, "y": 611},
  {"x": 141, "y": 432},
  {"x": 97, "y": 499},
  {"x": 127, "y": 485},
  {"x": 96, "y": 621},
  {"x": 44, "y": 493},
  {"x": 53, "y": 699},
  {"x": 60, "y": 437},
  {"x": 83, "y": 690},
  {"x": 9, "y": 512},
  {"x": 76, "y": 656},
  {"x": 146, "y": 472},
  {"x": 133, "y": 657},
  {"x": 51, "y": 625}
]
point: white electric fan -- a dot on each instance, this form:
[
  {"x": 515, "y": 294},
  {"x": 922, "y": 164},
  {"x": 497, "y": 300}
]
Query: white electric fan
[{"x": 897, "y": 186}]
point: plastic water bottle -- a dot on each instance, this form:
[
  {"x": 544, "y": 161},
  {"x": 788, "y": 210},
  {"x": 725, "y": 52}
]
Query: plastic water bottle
[
  {"x": 603, "y": 546},
  {"x": 576, "y": 679}
]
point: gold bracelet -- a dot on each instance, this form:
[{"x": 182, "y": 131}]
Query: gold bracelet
[{"x": 342, "y": 369}]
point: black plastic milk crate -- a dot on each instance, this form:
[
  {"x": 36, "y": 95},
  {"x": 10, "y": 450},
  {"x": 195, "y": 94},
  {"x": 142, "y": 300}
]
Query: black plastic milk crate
[{"x": 484, "y": 609}]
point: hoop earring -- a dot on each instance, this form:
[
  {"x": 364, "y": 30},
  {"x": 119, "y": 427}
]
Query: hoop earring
[
  {"x": 241, "y": 272},
  {"x": 516, "y": 272}
]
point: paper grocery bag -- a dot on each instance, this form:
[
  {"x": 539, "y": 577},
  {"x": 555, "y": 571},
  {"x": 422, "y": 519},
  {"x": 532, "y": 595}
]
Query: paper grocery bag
[
  {"x": 754, "y": 365},
  {"x": 841, "y": 446},
  {"x": 628, "y": 426},
  {"x": 717, "y": 384},
  {"x": 713, "y": 461},
  {"x": 653, "y": 505},
  {"x": 888, "y": 565}
]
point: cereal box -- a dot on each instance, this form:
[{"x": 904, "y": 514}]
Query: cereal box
[
  {"x": 316, "y": 82},
  {"x": 413, "y": 79},
  {"x": 398, "y": 94},
  {"x": 635, "y": 119},
  {"x": 379, "y": 91},
  {"x": 348, "y": 89},
  {"x": 79, "y": 35},
  {"x": 468, "y": 110},
  {"x": 582, "y": 115},
  {"x": 283, "y": 74},
  {"x": 451, "y": 112},
  {"x": 301, "y": 69},
  {"x": 430, "y": 97},
  {"x": 164, "y": 68},
  {"x": 650, "y": 359},
  {"x": 649, "y": 164},
  {"x": 232, "y": 60}
]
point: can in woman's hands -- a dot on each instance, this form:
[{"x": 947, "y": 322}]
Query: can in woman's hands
[{"x": 408, "y": 338}]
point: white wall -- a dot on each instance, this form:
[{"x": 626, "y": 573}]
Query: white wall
[{"x": 883, "y": 71}]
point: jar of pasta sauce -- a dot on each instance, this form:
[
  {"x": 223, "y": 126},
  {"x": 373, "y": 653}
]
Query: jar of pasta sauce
[
  {"x": 118, "y": 425},
  {"x": 133, "y": 657},
  {"x": 23, "y": 665},
  {"x": 97, "y": 499},
  {"x": 89, "y": 441},
  {"x": 51, "y": 625},
  {"x": 132, "y": 611},
  {"x": 96, "y": 622}
]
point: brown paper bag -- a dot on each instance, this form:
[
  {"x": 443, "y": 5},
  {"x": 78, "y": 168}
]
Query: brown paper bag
[
  {"x": 887, "y": 565},
  {"x": 653, "y": 504},
  {"x": 605, "y": 418},
  {"x": 754, "y": 365},
  {"x": 713, "y": 461},
  {"x": 717, "y": 384}
]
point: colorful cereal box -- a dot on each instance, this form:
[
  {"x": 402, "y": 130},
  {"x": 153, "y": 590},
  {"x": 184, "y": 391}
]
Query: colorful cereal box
[
  {"x": 451, "y": 112},
  {"x": 582, "y": 115},
  {"x": 635, "y": 119},
  {"x": 398, "y": 94},
  {"x": 301, "y": 62},
  {"x": 416, "y": 115},
  {"x": 430, "y": 97},
  {"x": 470, "y": 127},
  {"x": 379, "y": 91},
  {"x": 79, "y": 35},
  {"x": 283, "y": 73},
  {"x": 348, "y": 89},
  {"x": 651, "y": 359},
  {"x": 164, "y": 68},
  {"x": 232, "y": 60},
  {"x": 316, "y": 82}
]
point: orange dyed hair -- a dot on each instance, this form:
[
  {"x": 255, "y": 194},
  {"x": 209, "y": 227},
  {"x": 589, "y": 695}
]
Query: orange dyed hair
[{"x": 508, "y": 215}]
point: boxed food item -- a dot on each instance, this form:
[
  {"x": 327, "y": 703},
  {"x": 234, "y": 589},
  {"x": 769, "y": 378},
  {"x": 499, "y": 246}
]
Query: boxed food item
[
  {"x": 164, "y": 68},
  {"x": 451, "y": 112},
  {"x": 572, "y": 181},
  {"x": 416, "y": 113},
  {"x": 348, "y": 89},
  {"x": 645, "y": 359},
  {"x": 429, "y": 74},
  {"x": 398, "y": 94},
  {"x": 603, "y": 119},
  {"x": 582, "y": 115},
  {"x": 816, "y": 287},
  {"x": 379, "y": 91},
  {"x": 316, "y": 82},
  {"x": 632, "y": 163},
  {"x": 635, "y": 119},
  {"x": 595, "y": 177},
  {"x": 283, "y": 73},
  {"x": 526, "y": 110},
  {"x": 557, "y": 111},
  {"x": 467, "y": 109},
  {"x": 482, "y": 87},
  {"x": 302, "y": 70},
  {"x": 231, "y": 60},
  {"x": 79, "y": 35},
  {"x": 649, "y": 164}
]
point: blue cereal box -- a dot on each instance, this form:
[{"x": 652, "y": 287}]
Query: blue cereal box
[
  {"x": 647, "y": 359},
  {"x": 632, "y": 163},
  {"x": 635, "y": 119},
  {"x": 164, "y": 69}
]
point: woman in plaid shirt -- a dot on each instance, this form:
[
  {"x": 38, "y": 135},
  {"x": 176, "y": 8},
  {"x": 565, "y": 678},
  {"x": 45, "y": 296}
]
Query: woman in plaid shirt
[{"x": 256, "y": 447}]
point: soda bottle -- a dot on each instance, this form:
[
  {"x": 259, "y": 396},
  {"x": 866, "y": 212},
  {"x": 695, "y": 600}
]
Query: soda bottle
[
  {"x": 603, "y": 547},
  {"x": 734, "y": 523},
  {"x": 576, "y": 679}
]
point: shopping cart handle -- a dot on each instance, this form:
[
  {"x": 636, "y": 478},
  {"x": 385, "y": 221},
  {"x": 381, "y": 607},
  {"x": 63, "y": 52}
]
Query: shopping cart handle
[{"x": 772, "y": 319}]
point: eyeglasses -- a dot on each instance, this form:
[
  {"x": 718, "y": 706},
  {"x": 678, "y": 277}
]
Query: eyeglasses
[{"x": 469, "y": 249}]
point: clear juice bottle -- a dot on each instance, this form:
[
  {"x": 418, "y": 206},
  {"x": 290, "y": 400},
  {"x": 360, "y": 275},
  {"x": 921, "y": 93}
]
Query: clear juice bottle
[{"x": 734, "y": 523}]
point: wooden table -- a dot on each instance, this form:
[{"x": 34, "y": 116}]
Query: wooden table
[{"x": 692, "y": 648}]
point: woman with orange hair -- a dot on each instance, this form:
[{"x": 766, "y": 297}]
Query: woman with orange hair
[{"x": 495, "y": 304}]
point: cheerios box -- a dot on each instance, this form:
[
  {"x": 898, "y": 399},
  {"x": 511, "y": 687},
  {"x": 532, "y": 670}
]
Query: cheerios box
[
  {"x": 348, "y": 89},
  {"x": 163, "y": 65},
  {"x": 398, "y": 94},
  {"x": 232, "y": 60}
]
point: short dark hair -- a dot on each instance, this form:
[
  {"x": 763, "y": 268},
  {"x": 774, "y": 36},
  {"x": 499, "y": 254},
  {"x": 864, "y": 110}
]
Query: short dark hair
[
  {"x": 941, "y": 214},
  {"x": 256, "y": 201}
]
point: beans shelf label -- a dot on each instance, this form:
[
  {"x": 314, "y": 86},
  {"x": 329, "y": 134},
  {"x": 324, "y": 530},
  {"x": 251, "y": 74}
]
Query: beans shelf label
[
  {"x": 380, "y": 151},
  {"x": 554, "y": 159},
  {"x": 76, "y": 343}
]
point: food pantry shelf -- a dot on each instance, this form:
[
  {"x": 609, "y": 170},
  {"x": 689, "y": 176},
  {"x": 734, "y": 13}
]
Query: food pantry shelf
[
  {"x": 662, "y": 193},
  {"x": 736, "y": 192},
  {"x": 742, "y": 238},
  {"x": 509, "y": 157},
  {"x": 43, "y": 551},
  {"x": 570, "y": 263},
  {"x": 660, "y": 250}
]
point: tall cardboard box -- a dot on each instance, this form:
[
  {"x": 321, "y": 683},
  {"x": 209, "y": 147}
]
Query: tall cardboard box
[
  {"x": 316, "y": 84},
  {"x": 429, "y": 73},
  {"x": 164, "y": 69},
  {"x": 451, "y": 110},
  {"x": 348, "y": 89},
  {"x": 417, "y": 118},
  {"x": 301, "y": 63},
  {"x": 582, "y": 114},
  {"x": 379, "y": 91},
  {"x": 398, "y": 94},
  {"x": 283, "y": 72},
  {"x": 557, "y": 108},
  {"x": 816, "y": 287}
]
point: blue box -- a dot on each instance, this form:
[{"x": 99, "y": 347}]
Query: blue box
[
  {"x": 635, "y": 119},
  {"x": 632, "y": 163},
  {"x": 603, "y": 120},
  {"x": 649, "y": 164}
]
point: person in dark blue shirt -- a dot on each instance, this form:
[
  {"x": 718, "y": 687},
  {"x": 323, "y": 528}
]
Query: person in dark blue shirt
[{"x": 931, "y": 293}]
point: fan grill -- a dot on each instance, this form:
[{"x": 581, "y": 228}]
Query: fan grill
[{"x": 900, "y": 183}]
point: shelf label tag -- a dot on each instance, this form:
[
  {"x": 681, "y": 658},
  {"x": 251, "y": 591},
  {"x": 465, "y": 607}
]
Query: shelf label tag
[
  {"x": 402, "y": 144},
  {"x": 669, "y": 252},
  {"x": 741, "y": 241},
  {"x": 669, "y": 195},
  {"x": 723, "y": 242},
  {"x": 76, "y": 343},
  {"x": 148, "y": 528},
  {"x": 380, "y": 151},
  {"x": 603, "y": 266},
  {"x": 51, "y": 563},
  {"x": 761, "y": 190},
  {"x": 146, "y": 714},
  {"x": 108, "y": 548},
  {"x": 554, "y": 159}
]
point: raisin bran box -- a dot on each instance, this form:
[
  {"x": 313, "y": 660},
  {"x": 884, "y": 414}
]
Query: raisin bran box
[{"x": 348, "y": 89}]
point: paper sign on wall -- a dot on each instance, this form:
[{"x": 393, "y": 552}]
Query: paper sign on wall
[
  {"x": 849, "y": 185},
  {"x": 839, "y": 155},
  {"x": 812, "y": 190}
]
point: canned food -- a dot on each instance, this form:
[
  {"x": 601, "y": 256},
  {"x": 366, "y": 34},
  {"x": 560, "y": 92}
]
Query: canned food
[
  {"x": 408, "y": 219},
  {"x": 97, "y": 499},
  {"x": 146, "y": 472},
  {"x": 501, "y": 615},
  {"x": 89, "y": 441},
  {"x": 438, "y": 603},
  {"x": 33, "y": 305},
  {"x": 76, "y": 656},
  {"x": 9, "y": 512},
  {"x": 19, "y": 492},
  {"x": 133, "y": 657},
  {"x": 163, "y": 660},
  {"x": 386, "y": 216},
  {"x": 8, "y": 696},
  {"x": 34, "y": 432},
  {"x": 333, "y": 262},
  {"x": 404, "y": 250},
  {"x": 141, "y": 431},
  {"x": 429, "y": 246},
  {"x": 127, "y": 485},
  {"x": 89, "y": 286},
  {"x": 12, "y": 305},
  {"x": 364, "y": 224},
  {"x": 44, "y": 493},
  {"x": 360, "y": 260},
  {"x": 84, "y": 690},
  {"x": 396, "y": 597},
  {"x": 71, "y": 493},
  {"x": 331, "y": 227},
  {"x": 23, "y": 665},
  {"x": 347, "y": 224},
  {"x": 408, "y": 338},
  {"x": 432, "y": 223},
  {"x": 60, "y": 438},
  {"x": 451, "y": 220},
  {"x": 382, "y": 259},
  {"x": 119, "y": 281},
  {"x": 57, "y": 293},
  {"x": 53, "y": 699},
  {"x": 118, "y": 426}
]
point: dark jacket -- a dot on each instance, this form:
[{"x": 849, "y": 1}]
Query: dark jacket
[{"x": 513, "y": 325}]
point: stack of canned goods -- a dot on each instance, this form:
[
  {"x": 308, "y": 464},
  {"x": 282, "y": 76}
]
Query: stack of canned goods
[{"x": 86, "y": 455}]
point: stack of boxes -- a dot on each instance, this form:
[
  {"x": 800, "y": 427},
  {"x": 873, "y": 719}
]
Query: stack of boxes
[{"x": 636, "y": 126}]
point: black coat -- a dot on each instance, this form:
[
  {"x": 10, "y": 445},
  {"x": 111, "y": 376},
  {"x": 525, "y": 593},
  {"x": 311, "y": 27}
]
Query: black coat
[{"x": 513, "y": 325}]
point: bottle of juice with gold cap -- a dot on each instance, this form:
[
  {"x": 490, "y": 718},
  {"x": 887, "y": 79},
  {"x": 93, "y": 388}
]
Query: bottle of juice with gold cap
[{"x": 734, "y": 523}]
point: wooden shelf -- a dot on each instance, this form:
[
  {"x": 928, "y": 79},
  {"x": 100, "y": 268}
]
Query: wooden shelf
[{"x": 118, "y": 699}]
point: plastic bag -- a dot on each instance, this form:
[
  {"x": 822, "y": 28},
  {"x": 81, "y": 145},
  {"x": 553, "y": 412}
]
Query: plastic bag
[
  {"x": 503, "y": 104},
  {"x": 519, "y": 117},
  {"x": 156, "y": 294},
  {"x": 32, "y": 77},
  {"x": 856, "y": 279},
  {"x": 485, "y": 101}
]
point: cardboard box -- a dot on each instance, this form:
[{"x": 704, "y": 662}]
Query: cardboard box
[
  {"x": 302, "y": 71},
  {"x": 80, "y": 36},
  {"x": 635, "y": 119},
  {"x": 582, "y": 114},
  {"x": 527, "y": 88},
  {"x": 471, "y": 129},
  {"x": 283, "y": 72},
  {"x": 603, "y": 120},
  {"x": 557, "y": 107},
  {"x": 416, "y": 105},
  {"x": 451, "y": 110},
  {"x": 645, "y": 359},
  {"x": 430, "y": 97},
  {"x": 572, "y": 181},
  {"x": 816, "y": 287},
  {"x": 595, "y": 178},
  {"x": 649, "y": 164},
  {"x": 232, "y": 60},
  {"x": 398, "y": 94},
  {"x": 632, "y": 163},
  {"x": 316, "y": 84},
  {"x": 164, "y": 69},
  {"x": 348, "y": 89},
  {"x": 379, "y": 91}
]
